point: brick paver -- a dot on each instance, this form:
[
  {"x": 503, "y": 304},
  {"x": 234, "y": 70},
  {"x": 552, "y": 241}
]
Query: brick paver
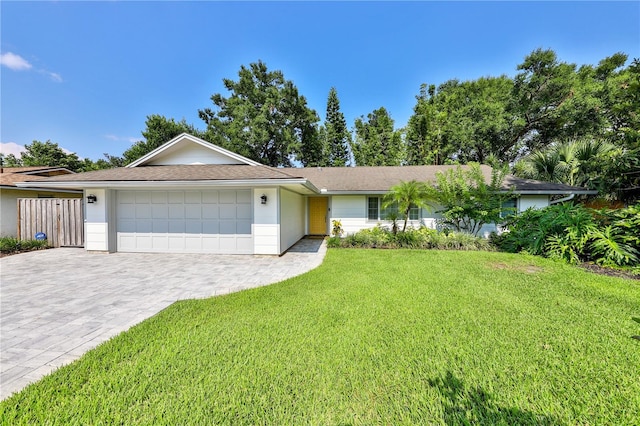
[{"x": 57, "y": 304}]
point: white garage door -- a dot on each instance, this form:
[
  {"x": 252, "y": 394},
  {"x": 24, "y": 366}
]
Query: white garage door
[{"x": 185, "y": 221}]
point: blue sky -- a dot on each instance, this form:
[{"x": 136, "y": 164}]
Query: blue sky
[{"x": 87, "y": 74}]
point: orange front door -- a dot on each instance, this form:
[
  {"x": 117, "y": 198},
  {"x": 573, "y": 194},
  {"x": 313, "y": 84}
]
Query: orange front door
[{"x": 318, "y": 215}]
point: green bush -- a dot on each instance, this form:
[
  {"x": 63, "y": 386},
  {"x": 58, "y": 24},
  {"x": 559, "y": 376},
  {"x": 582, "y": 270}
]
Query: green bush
[
  {"x": 574, "y": 234},
  {"x": 14, "y": 245},
  {"x": 421, "y": 238}
]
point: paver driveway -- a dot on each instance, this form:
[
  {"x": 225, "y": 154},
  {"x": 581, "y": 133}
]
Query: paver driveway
[{"x": 57, "y": 304}]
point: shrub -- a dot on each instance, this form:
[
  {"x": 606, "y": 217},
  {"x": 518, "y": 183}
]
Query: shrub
[
  {"x": 422, "y": 238},
  {"x": 14, "y": 245},
  {"x": 574, "y": 233}
]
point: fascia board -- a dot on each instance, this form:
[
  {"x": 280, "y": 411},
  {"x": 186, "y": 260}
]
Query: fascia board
[
  {"x": 40, "y": 188},
  {"x": 181, "y": 183}
]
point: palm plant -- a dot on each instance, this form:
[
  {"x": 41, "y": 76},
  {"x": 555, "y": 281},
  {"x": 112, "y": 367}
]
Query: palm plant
[
  {"x": 405, "y": 195},
  {"x": 572, "y": 162}
]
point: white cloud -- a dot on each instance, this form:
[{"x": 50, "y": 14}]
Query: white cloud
[
  {"x": 14, "y": 62},
  {"x": 54, "y": 76},
  {"x": 117, "y": 138},
  {"x": 12, "y": 148},
  {"x": 18, "y": 63}
]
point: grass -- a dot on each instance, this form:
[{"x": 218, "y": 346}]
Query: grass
[
  {"x": 10, "y": 245},
  {"x": 370, "y": 337}
]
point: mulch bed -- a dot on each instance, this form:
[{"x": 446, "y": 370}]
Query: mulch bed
[{"x": 592, "y": 267}]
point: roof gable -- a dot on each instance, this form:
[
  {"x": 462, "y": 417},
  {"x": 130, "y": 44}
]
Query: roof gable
[{"x": 186, "y": 149}]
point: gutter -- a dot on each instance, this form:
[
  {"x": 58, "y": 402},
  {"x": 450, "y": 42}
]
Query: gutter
[
  {"x": 146, "y": 184},
  {"x": 562, "y": 200}
]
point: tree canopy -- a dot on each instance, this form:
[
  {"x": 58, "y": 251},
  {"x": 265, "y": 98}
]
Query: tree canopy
[{"x": 264, "y": 118}]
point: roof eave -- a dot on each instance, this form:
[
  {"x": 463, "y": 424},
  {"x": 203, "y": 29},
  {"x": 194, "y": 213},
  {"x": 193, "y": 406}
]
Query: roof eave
[{"x": 172, "y": 183}]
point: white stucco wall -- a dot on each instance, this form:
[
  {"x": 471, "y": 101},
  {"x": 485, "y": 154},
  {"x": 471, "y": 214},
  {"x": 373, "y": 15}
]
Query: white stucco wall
[
  {"x": 533, "y": 201},
  {"x": 9, "y": 206},
  {"x": 98, "y": 235},
  {"x": 292, "y": 218},
  {"x": 192, "y": 154},
  {"x": 266, "y": 228},
  {"x": 351, "y": 210}
]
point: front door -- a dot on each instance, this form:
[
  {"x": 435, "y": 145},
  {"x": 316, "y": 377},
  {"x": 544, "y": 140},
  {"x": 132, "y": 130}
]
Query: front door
[{"x": 318, "y": 215}]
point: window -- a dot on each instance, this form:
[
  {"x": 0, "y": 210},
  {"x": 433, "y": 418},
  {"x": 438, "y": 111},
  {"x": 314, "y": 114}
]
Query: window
[
  {"x": 509, "y": 207},
  {"x": 375, "y": 211}
]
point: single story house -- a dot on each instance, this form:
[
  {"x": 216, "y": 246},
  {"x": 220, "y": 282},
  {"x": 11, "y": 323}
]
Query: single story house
[
  {"x": 10, "y": 177},
  {"x": 190, "y": 196}
]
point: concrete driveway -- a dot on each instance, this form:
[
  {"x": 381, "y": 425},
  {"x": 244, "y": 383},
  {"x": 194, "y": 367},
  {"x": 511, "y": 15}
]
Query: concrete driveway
[{"x": 57, "y": 304}]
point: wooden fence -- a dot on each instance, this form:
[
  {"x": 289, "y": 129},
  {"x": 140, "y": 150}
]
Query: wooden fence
[{"x": 62, "y": 219}]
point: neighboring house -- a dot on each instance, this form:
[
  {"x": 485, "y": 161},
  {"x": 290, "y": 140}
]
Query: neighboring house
[
  {"x": 191, "y": 196},
  {"x": 9, "y": 192}
]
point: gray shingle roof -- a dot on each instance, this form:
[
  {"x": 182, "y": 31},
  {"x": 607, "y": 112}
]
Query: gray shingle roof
[
  {"x": 331, "y": 179},
  {"x": 179, "y": 173}
]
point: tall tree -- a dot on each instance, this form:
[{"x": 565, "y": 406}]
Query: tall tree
[
  {"x": 159, "y": 130},
  {"x": 337, "y": 137},
  {"x": 264, "y": 119},
  {"x": 49, "y": 154},
  {"x": 541, "y": 92},
  {"x": 377, "y": 143}
]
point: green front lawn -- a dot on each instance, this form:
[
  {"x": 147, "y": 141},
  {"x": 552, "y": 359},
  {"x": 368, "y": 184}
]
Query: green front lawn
[{"x": 370, "y": 337}]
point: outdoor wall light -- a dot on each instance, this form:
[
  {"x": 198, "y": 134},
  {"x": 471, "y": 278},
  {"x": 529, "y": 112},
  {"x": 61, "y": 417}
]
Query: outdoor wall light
[
  {"x": 263, "y": 199},
  {"x": 92, "y": 199}
]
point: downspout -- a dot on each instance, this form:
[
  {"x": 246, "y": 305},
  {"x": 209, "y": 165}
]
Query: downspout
[{"x": 562, "y": 200}]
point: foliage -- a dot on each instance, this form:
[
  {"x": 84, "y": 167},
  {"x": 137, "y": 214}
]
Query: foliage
[
  {"x": 377, "y": 143},
  {"x": 406, "y": 195},
  {"x": 13, "y": 245},
  {"x": 48, "y": 154},
  {"x": 576, "y": 234},
  {"x": 159, "y": 130},
  {"x": 369, "y": 337},
  {"x": 336, "y": 137},
  {"x": 336, "y": 228},
  {"x": 466, "y": 200},
  {"x": 421, "y": 238},
  {"x": 264, "y": 119}
]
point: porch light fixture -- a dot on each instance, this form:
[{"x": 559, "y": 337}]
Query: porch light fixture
[
  {"x": 92, "y": 199},
  {"x": 263, "y": 199}
]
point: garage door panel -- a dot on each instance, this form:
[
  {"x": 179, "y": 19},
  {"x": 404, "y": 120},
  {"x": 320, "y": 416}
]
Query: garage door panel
[
  {"x": 210, "y": 211},
  {"x": 243, "y": 211},
  {"x": 177, "y": 227},
  {"x": 228, "y": 211},
  {"x": 176, "y": 211},
  {"x": 210, "y": 227},
  {"x": 143, "y": 211},
  {"x": 227, "y": 197},
  {"x": 243, "y": 197},
  {"x": 193, "y": 211},
  {"x": 209, "y": 221},
  {"x": 160, "y": 226},
  {"x": 159, "y": 211},
  {"x": 210, "y": 197},
  {"x": 193, "y": 227},
  {"x": 243, "y": 227}
]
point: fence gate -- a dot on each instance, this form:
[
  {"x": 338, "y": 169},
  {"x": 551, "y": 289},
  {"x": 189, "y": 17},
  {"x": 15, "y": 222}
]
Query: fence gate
[{"x": 61, "y": 219}]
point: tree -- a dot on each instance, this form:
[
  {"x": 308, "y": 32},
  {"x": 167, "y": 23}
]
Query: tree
[
  {"x": 337, "y": 137},
  {"x": 467, "y": 201},
  {"x": 406, "y": 195},
  {"x": 159, "y": 130},
  {"x": 9, "y": 160},
  {"x": 264, "y": 119},
  {"x": 541, "y": 91},
  {"x": 49, "y": 154},
  {"x": 377, "y": 143}
]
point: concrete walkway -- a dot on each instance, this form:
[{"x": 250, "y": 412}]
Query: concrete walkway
[{"x": 57, "y": 304}]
